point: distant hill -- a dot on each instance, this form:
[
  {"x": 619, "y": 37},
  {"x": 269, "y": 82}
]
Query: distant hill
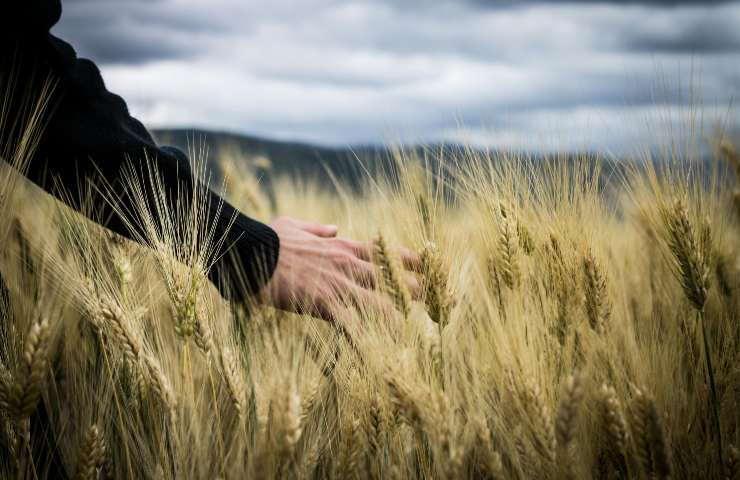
[
  {"x": 350, "y": 165},
  {"x": 301, "y": 160}
]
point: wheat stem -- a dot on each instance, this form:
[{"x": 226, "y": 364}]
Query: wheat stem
[{"x": 712, "y": 386}]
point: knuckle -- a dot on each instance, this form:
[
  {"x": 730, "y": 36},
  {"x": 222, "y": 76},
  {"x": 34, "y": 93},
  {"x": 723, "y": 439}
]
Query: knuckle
[
  {"x": 338, "y": 242},
  {"x": 343, "y": 258}
]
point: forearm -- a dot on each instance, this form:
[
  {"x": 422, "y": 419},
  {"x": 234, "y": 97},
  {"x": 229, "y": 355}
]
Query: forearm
[{"x": 90, "y": 135}]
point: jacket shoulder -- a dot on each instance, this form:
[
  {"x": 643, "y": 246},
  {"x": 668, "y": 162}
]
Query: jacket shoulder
[{"x": 29, "y": 17}]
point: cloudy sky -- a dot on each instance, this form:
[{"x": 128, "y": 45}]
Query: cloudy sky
[{"x": 500, "y": 73}]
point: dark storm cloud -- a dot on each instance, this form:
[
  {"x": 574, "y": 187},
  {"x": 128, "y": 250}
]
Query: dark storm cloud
[
  {"x": 133, "y": 31},
  {"x": 137, "y": 31},
  {"x": 656, "y": 3},
  {"x": 346, "y": 71},
  {"x": 709, "y": 37},
  {"x": 105, "y": 44}
]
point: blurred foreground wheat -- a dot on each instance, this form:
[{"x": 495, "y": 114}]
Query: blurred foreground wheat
[{"x": 573, "y": 325}]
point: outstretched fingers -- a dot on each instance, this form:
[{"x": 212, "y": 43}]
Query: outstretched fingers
[
  {"x": 369, "y": 300},
  {"x": 346, "y": 297},
  {"x": 363, "y": 272},
  {"x": 413, "y": 285},
  {"x": 363, "y": 251},
  {"x": 318, "y": 229},
  {"x": 367, "y": 275},
  {"x": 411, "y": 260}
]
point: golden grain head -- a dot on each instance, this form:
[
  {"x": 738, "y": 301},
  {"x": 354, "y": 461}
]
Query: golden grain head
[{"x": 554, "y": 275}]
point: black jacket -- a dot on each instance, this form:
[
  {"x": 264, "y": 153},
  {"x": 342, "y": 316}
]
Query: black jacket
[{"x": 90, "y": 132}]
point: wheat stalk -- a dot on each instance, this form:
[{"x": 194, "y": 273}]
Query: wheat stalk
[
  {"x": 404, "y": 402},
  {"x": 508, "y": 250},
  {"x": 723, "y": 270},
  {"x": 114, "y": 316},
  {"x": 647, "y": 432},
  {"x": 391, "y": 272},
  {"x": 374, "y": 429},
  {"x": 614, "y": 425},
  {"x": 24, "y": 392},
  {"x": 9, "y": 430},
  {"x": 598, "y": 306},
  {"x": 291, "y": 415},
  {"x": 690, "y": 249},
  {"x": 203, "y": 335},
  {"x": 492, "y": 465},
  {"x": 528, "y": 459},
  {"x": 565, "y": 421},
  {"x": 309, "y": 401},
  {"x": 161, "y": 385},
  {"x": 91, "y": 456},
  {"x": 309, "y": 462},
  {"x": 539, "y": 413},
  {"x": 234, "y": 382},
  {"x": 730, "y": 153},
  {"x": 526, "y": 241},
  {"x": 732, "y": 468},
  {"x": 349, "y": 463},
  {"x": 436, "y": 295},
  {"x": 184, "y": 304},
  {"x": 121, "y": 262}
]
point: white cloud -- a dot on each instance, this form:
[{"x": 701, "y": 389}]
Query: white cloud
[
  {"x": 615, "y": 130},
  {"x": 360, "y": 71}
]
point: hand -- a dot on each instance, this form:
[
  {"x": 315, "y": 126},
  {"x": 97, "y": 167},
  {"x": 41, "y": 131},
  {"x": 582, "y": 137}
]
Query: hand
[{"x": 317, "y": 272}]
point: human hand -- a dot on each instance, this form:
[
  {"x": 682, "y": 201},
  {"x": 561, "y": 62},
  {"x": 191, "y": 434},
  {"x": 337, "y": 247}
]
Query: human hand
[{"x": 317, "y": 272}]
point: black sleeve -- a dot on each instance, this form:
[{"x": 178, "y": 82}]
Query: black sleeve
[{"x": 89, "y": 133}]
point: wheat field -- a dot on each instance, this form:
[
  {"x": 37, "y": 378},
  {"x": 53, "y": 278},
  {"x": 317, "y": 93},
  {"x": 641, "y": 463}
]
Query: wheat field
[{"x": 574, "y": 323}]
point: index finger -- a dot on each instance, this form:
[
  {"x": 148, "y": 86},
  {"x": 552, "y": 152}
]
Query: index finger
[
  {"x": 362, "y": 250},
  {"x": 410, "y": 259}
]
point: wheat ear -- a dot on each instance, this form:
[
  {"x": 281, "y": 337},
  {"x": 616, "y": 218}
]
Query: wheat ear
[
  {"x": 121, "y": 262},
  {"x": 650, "y": 443},
  {"x": 349, "y": 463},
  {"x": 291, "y": 419},
  {"x": 598, "y": 306},
  {"x": 614, "y": 426},
  {"x": 115, "y": 317},
  {"x": 508, "y": 250},
  {"x": 491, "y": 461},
  {"x": 184, "y": 304},
  {"x": 539, "y": 413},
  {"x": 309, "y": 400},
  {"x": 730, "y": 153},
  {"x": 391, "y": 272},
  {"x": 91, "y": 456},
  {"x": 374, "y": 429},
  {"x": 24, "y": 393},
  {"x": 732, "y": 467},
  {"x": 161, "y": 385},
  {"x": 565, "y": 422},
  {"x": 690, "y": 249},
  {"x": 404, "y": 403},
  {"x": 436, "y": 294},
  {"x": 202, "y": 333},
  {"x": 234, "y": 382}
]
